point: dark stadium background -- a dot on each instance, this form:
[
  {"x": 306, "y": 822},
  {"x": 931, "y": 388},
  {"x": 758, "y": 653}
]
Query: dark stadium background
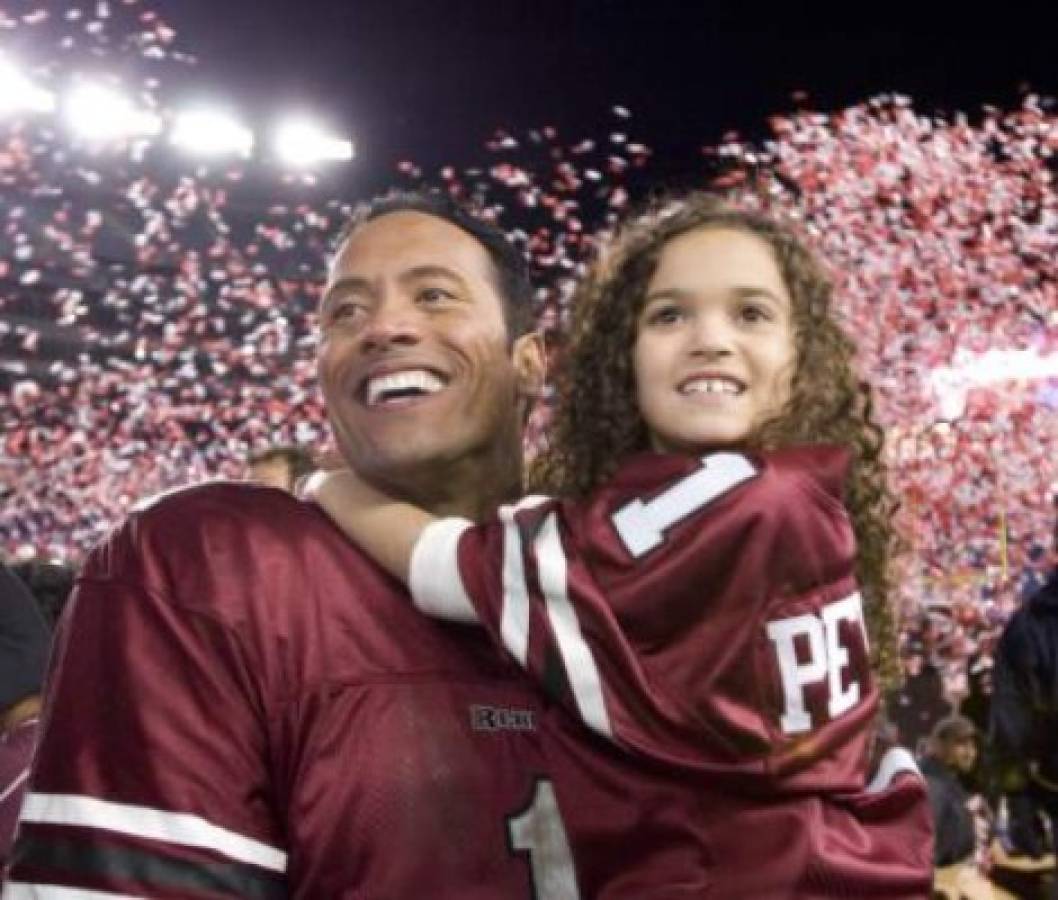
[{"x": 430, "y": 79}]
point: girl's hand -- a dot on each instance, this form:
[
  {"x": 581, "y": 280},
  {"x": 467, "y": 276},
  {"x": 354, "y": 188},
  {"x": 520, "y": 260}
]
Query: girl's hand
[
  {"x": 382, "y": 527},
  {"x": 337, "y": 491}
]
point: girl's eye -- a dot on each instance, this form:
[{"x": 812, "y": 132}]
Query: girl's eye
[
  {"x": 664, "y": 315},
  {"x": 753, "y": 313}
]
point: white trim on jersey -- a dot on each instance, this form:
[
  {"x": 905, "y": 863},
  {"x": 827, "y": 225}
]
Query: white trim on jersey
[
  {"x": 514, "y": 616},
  {"x": 143, "y": 821},
  {"x": 22, "y": 890},
  {"x": 580, "y": 665},
  {"x": 433, "y": 573},
  {"x": 894, "y": 761},
  {"x": 14, "y": 785}
]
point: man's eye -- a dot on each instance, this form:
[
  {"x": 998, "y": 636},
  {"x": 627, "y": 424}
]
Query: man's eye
[
  {"x": 435, "y": 295},
  {"x": 345, "y": 312}
]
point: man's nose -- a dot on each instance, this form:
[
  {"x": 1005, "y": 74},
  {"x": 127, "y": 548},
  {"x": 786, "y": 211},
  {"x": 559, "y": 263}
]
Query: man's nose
[{"x": 392, "y": 324}]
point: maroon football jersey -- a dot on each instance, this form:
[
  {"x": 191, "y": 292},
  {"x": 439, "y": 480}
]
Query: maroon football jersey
[
  {"x": 243, "y": 706},
  {"x": 703, "y": 614}
]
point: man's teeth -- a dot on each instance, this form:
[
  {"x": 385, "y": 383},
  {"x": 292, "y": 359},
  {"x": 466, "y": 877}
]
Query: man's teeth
[
  {"x": 712, "y": 386},
  {"x": 399, "y": 384}
]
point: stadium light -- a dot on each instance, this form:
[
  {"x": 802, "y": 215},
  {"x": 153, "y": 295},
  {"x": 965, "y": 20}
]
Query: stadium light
[
  {"x": 99, "y": 113},
  {"x": 998, "y": 365},
  {"x": 19, "y": 94},
  {"x": 208, "y": 132},
  {"x": 951, "y": 383},
  {"x": 303, "y": 143}
]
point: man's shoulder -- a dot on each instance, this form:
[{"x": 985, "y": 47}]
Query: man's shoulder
[
  {"x": 232, "y": 527},
  {"x": 194, "y": 518},
  {"x": 216, "y": 498},
  {"x": 276, "y": 572}
]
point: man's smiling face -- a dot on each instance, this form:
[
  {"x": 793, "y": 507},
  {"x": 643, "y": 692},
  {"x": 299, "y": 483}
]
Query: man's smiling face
[{"x": 416, "y": 364}]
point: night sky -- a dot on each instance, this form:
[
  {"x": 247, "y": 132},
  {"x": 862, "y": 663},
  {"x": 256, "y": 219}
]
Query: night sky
[{"x": 430, "y": 80}]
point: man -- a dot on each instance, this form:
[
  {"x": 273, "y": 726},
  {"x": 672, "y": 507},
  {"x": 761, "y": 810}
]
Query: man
[
  {"x": 951, "y": 756},
  {"x": 244, "y": 705},
  {"x": 280, "y": 466},
  {"x": 1024, "y": 723}
]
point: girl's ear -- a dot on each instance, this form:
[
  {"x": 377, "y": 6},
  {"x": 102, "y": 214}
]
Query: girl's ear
[{"x": 530, "y": 364}]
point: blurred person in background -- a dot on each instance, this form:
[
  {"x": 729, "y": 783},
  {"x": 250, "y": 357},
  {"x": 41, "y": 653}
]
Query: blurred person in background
[
  {"x": 50, "y": 582},
  {"x": 977, "y": 704},
  {"x": 917, "y": 704},
  {"x": 281, "y": 466},
  {"x": 1024, "y": 724},
  {"x": 948, "y": 764},
  {"x": 24, "y": 643}
]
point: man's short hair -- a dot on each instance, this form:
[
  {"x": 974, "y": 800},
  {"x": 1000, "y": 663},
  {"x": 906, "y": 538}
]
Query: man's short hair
[
  {"x": 511, "y": 268},
  {"x": 952, "y": 729},
  {"x": 300, "y": 462}
]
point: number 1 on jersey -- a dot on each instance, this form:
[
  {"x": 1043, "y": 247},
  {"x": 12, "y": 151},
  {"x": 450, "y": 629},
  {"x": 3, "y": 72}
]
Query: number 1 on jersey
[
  {"x": 538, "y": 832},
  {"x": 642, "y": 526}
]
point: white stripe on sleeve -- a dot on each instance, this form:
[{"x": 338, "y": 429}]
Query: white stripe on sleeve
[
  {"x": 895, "y": 761},
  {"x": 433, "y": 574},
  {"x": 514, "y": 617},
  {"x": 576, "y": 654},
  {"x": 143, "y": 821},
  {"x": 13, "y": 786},
  {"x": 21, "y": 890}
]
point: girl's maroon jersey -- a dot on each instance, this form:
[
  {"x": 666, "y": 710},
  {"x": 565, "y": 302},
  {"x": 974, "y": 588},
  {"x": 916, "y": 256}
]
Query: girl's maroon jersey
[
  {"x": 241, "y": 704},
  {"x": 704, "y": 615}
]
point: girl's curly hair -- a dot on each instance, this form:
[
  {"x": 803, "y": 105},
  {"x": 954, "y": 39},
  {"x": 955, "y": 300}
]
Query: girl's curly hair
[{"x": 597, "y": 423}]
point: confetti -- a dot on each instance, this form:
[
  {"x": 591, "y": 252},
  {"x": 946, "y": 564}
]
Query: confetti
[{"x": 153, "y": 331}]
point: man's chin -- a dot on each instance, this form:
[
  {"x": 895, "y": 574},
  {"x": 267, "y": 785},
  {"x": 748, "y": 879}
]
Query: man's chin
[{"x": 404, "y": 461}]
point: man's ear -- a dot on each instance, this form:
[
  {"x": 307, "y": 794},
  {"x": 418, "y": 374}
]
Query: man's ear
[{"x": 530, "y": 364}]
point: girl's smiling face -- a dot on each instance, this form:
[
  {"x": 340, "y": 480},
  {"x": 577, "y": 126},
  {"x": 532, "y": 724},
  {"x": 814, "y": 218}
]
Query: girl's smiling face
[{"x": 714, "y": 352}]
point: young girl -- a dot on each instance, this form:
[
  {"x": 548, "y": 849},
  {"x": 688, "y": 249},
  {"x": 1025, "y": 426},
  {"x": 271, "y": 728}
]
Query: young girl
[{"x": 711, "y": 591}]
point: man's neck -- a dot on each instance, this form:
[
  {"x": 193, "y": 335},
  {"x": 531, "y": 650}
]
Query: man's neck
[{"x": 469, "y": 488}]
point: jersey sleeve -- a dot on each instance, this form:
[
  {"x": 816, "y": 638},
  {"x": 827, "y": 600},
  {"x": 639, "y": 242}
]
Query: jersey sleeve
[
  {"x": 707, "y": 617},
  {"x": 151, "y": 778},
  {"x": 478, "y": 573}
]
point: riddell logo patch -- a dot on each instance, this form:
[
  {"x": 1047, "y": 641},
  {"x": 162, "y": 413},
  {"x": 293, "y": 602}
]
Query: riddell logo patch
[{"x": 500, "y": 718}]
